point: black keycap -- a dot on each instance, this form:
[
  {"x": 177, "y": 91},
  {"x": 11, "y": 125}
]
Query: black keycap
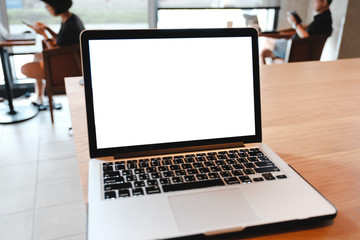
[
  {"x": 113, "y": 180},
  {"x": 242, "y": 160},
  {"x": 126, "y": 172},
  {"x": 232, "y": 155},
  {"x": 153, "y": 189},
  {"x": 225, "y": 174},
  {"x": 187, "y": 166},
  {"x": 143, "y": 177},
  {"x": 167, "y": 158},
  {"x": 258, "y": 179},
  {"x": 249, "y": 165},
  {"x": 192, "y": 171},
  {"x": 110, "y": 195},
  {"x": 190, "y": 155},
  {"x": 267, "y": 169},
  {"x": 155, "y": 175},
  {"x": 281, "y": 176},
  {"x": 166, "y": 162},
  {"x": 201, "y": 177},
  {"x": 201, "y": 159},
  {"x": 131, "y": 178},
  {"x": 131, "y": 165},
  {"x": 190, "y": 160},
  {"x": 178, "y": 161},
  {"x": 220, "y": 162},
  {"x": 164, "y": 181},
  {"x": 111, "y": 174},
  {"x": 155, "y": 163},
  {"x": 117, "y": 186},
  {"x": 215, "y": 169},
  {"x": 204, "y": 170},
  {"x": 155, "y": 159},
  {"x": 211, "y": 158},
  {"x": 213, "y": 175},
  {"x": 139, "y": 171},
  {"x": 152, "y": 182},
  {"x": 108, "y": 168},
  {"x": 198, "y": 165},
  {"x": 177, "y": 179},
  {"x": 180, "y": 172},
  {"x": 120, "y": 167},
  {"x": 223, "y": 152},
  {"x": 151, "y": 170},
  {"x": 249, "y": 171},
  {"x": 212, "y": 154},
  {"x": 232, "y": 180},
  {"x": 264, "y": 164},
  {"x": 179, "y": 156},
  {"x": 268, "y": 176},
  {"x": 231, "y": 161},
  {"x": 226, "y": 168},
  {"x": 175, "y": 167},
  {"x": 237, "y": 173},
  {"x": 138, "y": 192},
  {"x": 209, "y": 164},
  {"x": 192, "y": 185},
  {"x": 124, "y": 193},
  {"x": 139, "y": 184},
  {"x": 238, "y": 166},
  {"x": 143, "y": 164},
  {"x": 253, "y": 159},
  {"x": 245, "y": 179},
  {"x": 189, "y": 178},
  {"x": 168, "y": 174},
  {"x": 222, "y": 157},
  {"x": 163, "y": 168}
]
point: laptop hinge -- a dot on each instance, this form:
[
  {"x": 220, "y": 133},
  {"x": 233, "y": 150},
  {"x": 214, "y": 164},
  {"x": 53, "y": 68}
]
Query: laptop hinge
[{"x": 179, "y": 150}]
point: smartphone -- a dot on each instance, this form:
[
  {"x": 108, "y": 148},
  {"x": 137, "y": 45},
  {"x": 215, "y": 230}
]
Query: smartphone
[
  {"x": 296, "y": 16},
  {"x": 27, "y": 23}
]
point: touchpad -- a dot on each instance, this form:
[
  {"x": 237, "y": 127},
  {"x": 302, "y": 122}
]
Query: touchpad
[{"x": 212, "y": 210}]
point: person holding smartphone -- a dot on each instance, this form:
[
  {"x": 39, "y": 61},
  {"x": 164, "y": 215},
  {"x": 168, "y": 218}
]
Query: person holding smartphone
[
  {"x": 322, "y": 24},
  {"x": 71, "y": 27}
]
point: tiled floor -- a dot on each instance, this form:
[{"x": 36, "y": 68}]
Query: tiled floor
[{"x": 40, "y": 189}]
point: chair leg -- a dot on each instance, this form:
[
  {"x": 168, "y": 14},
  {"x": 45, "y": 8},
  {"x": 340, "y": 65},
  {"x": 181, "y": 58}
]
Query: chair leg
[{"x": 51, "y": 107}]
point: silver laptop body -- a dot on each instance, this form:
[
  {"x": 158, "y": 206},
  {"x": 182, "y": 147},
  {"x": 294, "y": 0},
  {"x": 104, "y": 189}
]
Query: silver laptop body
[
  {"x": 5, "y": 35},
  {"x": 161, "y": 103}
]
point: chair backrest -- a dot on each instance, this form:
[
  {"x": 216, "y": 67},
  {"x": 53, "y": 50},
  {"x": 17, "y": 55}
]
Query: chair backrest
[
  {"x": 59, "y": 63},
  {"x": 305, "y": 49}
]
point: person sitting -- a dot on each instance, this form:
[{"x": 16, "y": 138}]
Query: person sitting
[
  {"x": 322, "y": 24},
  {"x": 71, "y": 27}
]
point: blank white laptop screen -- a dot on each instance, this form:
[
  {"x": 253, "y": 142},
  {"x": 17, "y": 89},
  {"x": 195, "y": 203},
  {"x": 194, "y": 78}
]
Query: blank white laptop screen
[{"x": 150, "y": 91}]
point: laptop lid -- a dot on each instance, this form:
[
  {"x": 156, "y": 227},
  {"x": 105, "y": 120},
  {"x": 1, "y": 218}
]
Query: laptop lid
[
  {"x": 149, "y": 91},
  {"x": 4, "y": 32}
]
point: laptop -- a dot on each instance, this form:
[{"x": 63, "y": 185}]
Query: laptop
[
  {"x": 174, "y": 130},
  {"x": 5, "y": 35}
]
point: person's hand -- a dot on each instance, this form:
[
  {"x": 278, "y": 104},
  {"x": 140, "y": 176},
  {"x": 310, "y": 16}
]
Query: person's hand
[{"x": 291, "y": 19}]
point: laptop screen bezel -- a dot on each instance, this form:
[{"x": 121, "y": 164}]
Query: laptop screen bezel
[{"x": 89, "y": 35}]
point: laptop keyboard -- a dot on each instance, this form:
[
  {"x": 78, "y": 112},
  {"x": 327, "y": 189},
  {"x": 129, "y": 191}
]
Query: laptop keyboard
[{"x": 183, "y": 172}]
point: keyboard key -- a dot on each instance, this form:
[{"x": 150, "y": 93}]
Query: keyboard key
[
  {"x": 225, "y": 174},
  {"x": 190, "y": 160},
  {"x": 152, "y": 183},
  {"x": 245, "y": 179},
  {"x": 226, "y": 168},
  {"x": 268, "y": 176},
  {"x": 189, "y": 178},
  {"x": 108, "y": 168},
  {"x": 155, "y": 175},
  {"x": 204, "y": 170},
  {"x": 238, "y": 166},
  {"x": 198, "y": 165},
  {"x": 144, "y": 164},
  {"x": 151, "y": 170},
  {"x": 264, "y": 164},
  {"x": 258, "y": 179},
  {"x": 168, "y": 174},
  {"x": 215, "y": 169},
  {"x": 220, "y": 162},
  {"x": 237, "y": 173},
  {"x": 267, "y": 169},
  {"x": 281, "y": 176},
  {"x": 166, "y": 162},
  {"x": 143, "y": 177},
  {"x": 110, "y": 195},
  {"x": 153, "y": 189},
  {"x": 138, "y": 192},
  {"x": 201, "y": 177},
  {"x": 131, "y": 178},
  {"x": 120, "y": 167},
  {"x": 249, "y": 165},
  {"x": 249, "y": 171},
  {"x": 177, "y": 179},
  {"x": 187, "y": 166},
  {"x": 117, "y": 186},
  {"x": 164, "y": 181},
  {"x": 209, "y": 164},
  {"x": 113, "y": 180},
  {"x": 126, "y": 172},
  {"x": 163, "y": 168},
  {"x": 180, "y": 172},
  {"x": 139, "y": 184},
  {"x": 213, "y": 175},
  {"x": 232, "y": 180},
  {"x": 192, "y": 185},
  {"x": 139, "y": 171},
  {"x": 124, "y": 193},
  {"x": 111, "y": 174},
  {"x": 174, "y": 167},
  {"x": 178, "y": 161},
  {"x": 192, "y": 171}
]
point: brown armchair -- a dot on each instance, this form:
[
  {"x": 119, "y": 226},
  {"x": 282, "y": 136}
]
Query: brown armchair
[
  {"x": 305, "y": 49},
  {"x": 60, "y": 62}
]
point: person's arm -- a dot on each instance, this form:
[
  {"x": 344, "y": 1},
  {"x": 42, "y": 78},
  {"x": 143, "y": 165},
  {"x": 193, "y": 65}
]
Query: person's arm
[{"x": 300, "y": 30}]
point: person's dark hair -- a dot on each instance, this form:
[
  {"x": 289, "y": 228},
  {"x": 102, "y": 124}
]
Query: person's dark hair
[
  {"x": 60, "y": 6},
  {"x": 329, "y": 2}
]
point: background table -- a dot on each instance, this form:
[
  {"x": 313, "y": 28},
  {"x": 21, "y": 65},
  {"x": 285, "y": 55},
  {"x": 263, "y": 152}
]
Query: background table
[
  {"x": 311, "y": 118},
  {"x": 22, "y": 112}
]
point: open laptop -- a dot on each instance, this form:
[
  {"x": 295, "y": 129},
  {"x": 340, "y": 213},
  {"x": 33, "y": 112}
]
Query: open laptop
[
  {"x": 174, "y": 125},
  {"x": 5, "y": 35}
]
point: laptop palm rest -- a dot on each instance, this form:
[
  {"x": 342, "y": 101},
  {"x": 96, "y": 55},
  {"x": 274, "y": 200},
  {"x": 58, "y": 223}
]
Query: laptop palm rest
[{"x": 212, "y": 210}]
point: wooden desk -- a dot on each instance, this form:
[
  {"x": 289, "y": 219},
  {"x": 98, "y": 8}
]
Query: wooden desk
[
  {"x": 23, "y": 112},
  {"x": 311, "y": 118}
]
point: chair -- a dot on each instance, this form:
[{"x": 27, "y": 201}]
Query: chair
[
  {"x": 305, "y": 49},
  {"x": 59, "y": 63}
]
